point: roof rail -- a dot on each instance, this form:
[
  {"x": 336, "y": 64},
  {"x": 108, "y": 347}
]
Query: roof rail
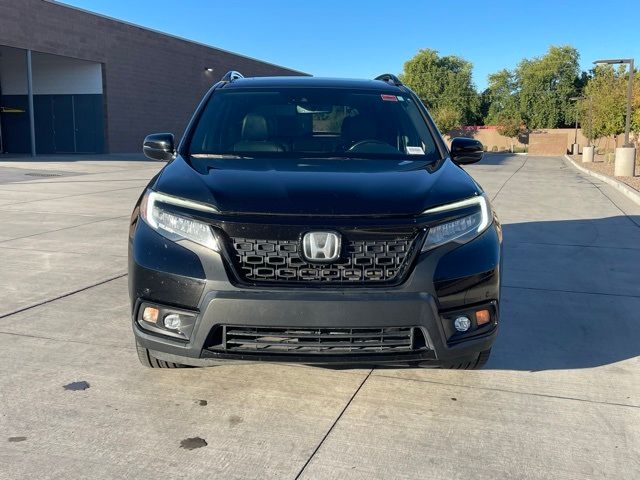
[
  {"x": 389, "y": 78},
  {"x": 231, "y": 75}
]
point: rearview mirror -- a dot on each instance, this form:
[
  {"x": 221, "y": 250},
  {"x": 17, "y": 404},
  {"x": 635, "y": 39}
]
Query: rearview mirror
[
  {"x": 466, "y": 150},
  {"x": 159, "y": 146}
]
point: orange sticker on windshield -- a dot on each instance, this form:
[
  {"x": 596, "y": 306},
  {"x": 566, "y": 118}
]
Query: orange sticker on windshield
[{"x": 389, "y": 98}]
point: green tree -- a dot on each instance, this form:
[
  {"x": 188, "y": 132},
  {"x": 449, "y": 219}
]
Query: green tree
[
  {"x": 545, "y": 86},
  {"x": 537, "y": 92},
  {"x": 445, "y": 86},
  {"x": 503, "y": 104},
  {"x": 502, "y": 98},
  {"x": 604, "y": 110},
  {"x": 447, "y": 118},
  {"x": 635, "y": 108},
  {"x": 509, "y": 125},
  {"x": 606, "y": 94}
]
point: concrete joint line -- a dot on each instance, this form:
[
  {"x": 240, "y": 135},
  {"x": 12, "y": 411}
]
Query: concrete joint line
[
  {"x": 577, "y": 292},
  {"x": 62, "y": 229},
  {"x": 48, "y": 212},
  {"x": 69, "y": 196},
  {"x": 560, "y": 245},
  {"x": 508, "y": 179},
  {"x": 504, "y": 390},
  {"x": 67, "y": 294},
  {"x": 627, "y": 191},
  {"x": 66, "y": 340},
  {"x": 64, "y": 182},
  {"x": 333, "y": 425}
]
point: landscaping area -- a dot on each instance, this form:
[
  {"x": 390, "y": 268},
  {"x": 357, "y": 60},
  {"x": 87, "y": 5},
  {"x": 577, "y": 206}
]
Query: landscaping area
[{"x": 604, "y": 164}]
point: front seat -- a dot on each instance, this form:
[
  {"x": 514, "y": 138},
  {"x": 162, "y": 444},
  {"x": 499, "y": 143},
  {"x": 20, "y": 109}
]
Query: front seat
[
  {"x": 358, "y": 128},
  {"x": 255, "y": 135}
]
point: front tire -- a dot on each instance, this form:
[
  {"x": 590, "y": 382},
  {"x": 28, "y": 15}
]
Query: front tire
[{"x": 149, "y": 361}]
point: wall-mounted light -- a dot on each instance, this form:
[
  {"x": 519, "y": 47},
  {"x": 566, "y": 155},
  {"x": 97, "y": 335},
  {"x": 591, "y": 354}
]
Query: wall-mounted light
[{"x": 208, "y": 69}]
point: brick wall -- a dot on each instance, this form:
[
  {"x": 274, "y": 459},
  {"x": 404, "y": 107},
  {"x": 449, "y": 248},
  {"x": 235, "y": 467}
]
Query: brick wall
[
  {"x": 489, "y": 137},
  {"x": 152, "y": 82},
  {"x": 548, "y": 141}
]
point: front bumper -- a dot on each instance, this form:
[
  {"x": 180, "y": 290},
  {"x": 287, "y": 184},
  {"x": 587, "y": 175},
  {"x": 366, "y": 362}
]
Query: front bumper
[{"x": 442, "y": 283}]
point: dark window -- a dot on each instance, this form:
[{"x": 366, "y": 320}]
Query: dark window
[{"x": 312, "y": 122}]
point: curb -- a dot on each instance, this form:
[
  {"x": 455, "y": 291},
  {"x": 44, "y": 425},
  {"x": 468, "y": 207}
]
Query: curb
[{"x": 631, "y": 193}]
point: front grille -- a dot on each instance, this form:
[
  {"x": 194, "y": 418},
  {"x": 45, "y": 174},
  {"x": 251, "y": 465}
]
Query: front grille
[
  {"x": 318, "y": 340},
  {"x": 361, "y": 261}
]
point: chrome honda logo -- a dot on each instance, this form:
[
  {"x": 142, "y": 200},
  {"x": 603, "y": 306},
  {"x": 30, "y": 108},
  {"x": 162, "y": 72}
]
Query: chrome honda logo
[{"x": 321, "y": 246}]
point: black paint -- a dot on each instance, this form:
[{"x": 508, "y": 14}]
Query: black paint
[
  {"x": 193, "y": 443},
  {"x": 82, "y": 385}
]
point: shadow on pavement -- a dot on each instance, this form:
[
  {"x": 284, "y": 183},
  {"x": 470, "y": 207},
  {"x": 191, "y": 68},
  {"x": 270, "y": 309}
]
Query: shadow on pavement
[
  {"x": 571, "y": 294},
  {"x": 490, "y": 158}
]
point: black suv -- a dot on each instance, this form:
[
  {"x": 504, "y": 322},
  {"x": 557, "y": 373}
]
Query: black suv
[{"x": 318, "y": 221}]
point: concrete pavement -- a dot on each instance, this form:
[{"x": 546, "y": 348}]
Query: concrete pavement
[{"x": 560, "y": 397}]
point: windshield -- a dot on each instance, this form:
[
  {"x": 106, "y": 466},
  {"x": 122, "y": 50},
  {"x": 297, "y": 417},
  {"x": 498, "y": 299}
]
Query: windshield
[{"x": 312, "y": 122}]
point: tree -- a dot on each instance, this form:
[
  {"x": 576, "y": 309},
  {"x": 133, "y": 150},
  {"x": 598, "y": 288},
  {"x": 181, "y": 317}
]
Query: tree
[
  {"x": 603, "y": 113},
  {"x": 545, "y": 86},
  {"x": 503, "y": 104},
  {"x": 538, "y": 91},
  {"x": 635, "y": 108},
  {"x": 606, "y": 90},
  {"x": 445, "y": 86},
  {"x": 509, "y": 126},
  {"x": 447, "y": 118},
  {"x": 502, "y": 98}
]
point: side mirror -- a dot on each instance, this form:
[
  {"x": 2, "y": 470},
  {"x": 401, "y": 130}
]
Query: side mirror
[
  {"x": 466, "y": 150},
  {"x": 159, "y": 146}
]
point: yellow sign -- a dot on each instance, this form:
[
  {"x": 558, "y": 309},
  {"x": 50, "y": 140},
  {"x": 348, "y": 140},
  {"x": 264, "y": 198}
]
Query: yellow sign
[{"x": 11, "y": 110}]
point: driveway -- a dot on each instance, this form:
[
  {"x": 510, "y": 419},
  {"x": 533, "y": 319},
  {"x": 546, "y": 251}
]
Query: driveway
[{"x": 560, "y": 397}]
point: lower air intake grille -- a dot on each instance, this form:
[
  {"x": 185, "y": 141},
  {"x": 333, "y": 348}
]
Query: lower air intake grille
[{"x": 320, "y": 340}]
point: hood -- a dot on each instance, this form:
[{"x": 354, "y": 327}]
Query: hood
[{"x": 328, "y": 187}]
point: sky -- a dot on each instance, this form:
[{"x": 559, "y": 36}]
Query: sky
[{"x": 342, "y": 38}]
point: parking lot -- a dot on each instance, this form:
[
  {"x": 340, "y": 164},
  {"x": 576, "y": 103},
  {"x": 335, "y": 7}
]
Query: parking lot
[{"x": 560, "y": 397}]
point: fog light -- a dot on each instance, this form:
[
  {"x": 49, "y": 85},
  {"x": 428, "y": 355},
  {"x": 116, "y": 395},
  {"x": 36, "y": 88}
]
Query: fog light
[
  {"x": 482, "y": 317},
  {"x": 150, "y": 315},
  {"x": 462, "y": 323},
  {"x": 172, "y": 321}
]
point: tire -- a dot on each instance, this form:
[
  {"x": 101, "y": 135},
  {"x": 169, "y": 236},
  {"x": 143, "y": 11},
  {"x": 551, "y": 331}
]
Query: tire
[
  {"x": 473, "y": 364},
  {"x": 149, "y": 361}
]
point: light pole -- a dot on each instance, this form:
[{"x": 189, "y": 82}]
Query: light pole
[
  {"x": 587, "y": 151},
  {"x": 625, "y": 156},
  {"x": 575, "y": 137},
  {"x": 590, "y": 121}
]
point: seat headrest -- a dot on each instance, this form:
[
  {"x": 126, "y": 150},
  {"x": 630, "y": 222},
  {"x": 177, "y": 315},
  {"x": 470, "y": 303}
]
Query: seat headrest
[
  {"x": 358, "y": 128},
  {"x": 254, "y": 127},
  {"x": 288, "y": 126}
]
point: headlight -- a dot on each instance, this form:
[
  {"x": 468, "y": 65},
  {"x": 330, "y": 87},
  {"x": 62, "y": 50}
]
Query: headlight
[
  {"x": 175, "y": 227},
  {"x": 462, "y": 229}
]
